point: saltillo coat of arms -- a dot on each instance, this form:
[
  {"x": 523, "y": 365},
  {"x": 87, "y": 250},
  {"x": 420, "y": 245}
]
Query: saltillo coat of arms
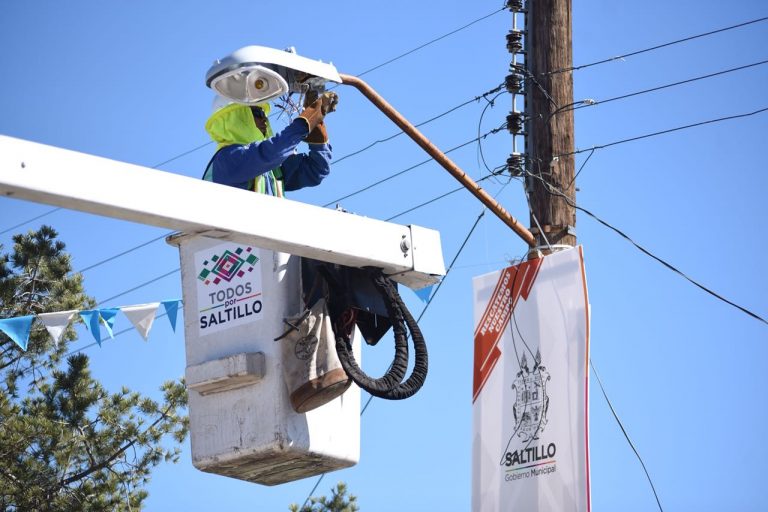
[{"x": 531, "y": 399}]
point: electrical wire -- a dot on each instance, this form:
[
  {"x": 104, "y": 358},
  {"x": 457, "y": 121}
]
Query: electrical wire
[
  {"x": 490, "y": 104},
  {"x": 554, "y": 191},
  {"x": 662, "y": 132},
  {"x": 185, "y": 153},
  {"x": 532, "y": 78},
  {"x": 400, "y": 173},
  {"x": 592, "y": 102},
  {"x": 128, "y": 251},
  {"x": 657, "y": 47},
  {"x": 441, "y": 196},
  {"x": 369, "y": 146},
  {"x": 626, "y": 435},
  {"x": 142, "y": 285},
  {"x": 581, "y": 168},
  {"x": 30, "y": 220},
  {"x": 390, "y": 61}
]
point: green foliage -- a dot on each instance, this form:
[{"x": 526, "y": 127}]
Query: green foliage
[
  {"x": 338, "y": 502},
  {"x": 66, "y": 443}
]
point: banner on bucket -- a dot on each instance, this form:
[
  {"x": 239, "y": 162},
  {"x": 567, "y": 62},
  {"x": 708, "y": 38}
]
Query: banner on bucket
[
  {"x": 530, "y": 387},
  {"x": 229, "y": 290}
]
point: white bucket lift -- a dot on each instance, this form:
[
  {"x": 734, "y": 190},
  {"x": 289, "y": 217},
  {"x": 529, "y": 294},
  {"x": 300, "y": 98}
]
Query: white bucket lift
[{"x": 241, "y": 421}]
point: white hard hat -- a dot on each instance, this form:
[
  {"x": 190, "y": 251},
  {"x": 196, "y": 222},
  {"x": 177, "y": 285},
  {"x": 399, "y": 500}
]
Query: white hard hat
[{"x": 219, "y": 102}]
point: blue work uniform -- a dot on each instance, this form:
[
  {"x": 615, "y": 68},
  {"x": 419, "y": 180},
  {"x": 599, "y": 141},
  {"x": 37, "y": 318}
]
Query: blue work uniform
[{"x": 267, "y": 163}]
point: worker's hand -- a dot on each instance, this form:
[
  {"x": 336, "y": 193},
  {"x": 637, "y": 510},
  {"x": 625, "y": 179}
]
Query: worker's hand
[
  {"x": 310, "y": 98},
  {"x": 330, "y": 100},
  {"x": 315, "y": 112}
]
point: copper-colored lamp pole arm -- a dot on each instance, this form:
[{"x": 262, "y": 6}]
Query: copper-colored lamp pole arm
[{"x": 440, "y": 157}]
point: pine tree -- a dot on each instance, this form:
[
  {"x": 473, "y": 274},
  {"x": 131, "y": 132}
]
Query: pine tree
[
  {"x": 338, "y": 502},
  {"x": 66, "y": 443}
]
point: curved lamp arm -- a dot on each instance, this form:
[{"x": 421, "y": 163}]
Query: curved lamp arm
[{"x": 440, "y": 157}]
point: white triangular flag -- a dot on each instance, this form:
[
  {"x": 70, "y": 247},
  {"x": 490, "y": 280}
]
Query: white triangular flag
[
  {"x": 141, "y": 316},
  {"x": 56, "y": 323}
]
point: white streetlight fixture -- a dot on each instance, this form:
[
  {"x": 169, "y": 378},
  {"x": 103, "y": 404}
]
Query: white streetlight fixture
[{"x": 255, "y": 74}]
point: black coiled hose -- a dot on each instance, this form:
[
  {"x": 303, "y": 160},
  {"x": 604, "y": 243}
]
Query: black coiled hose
[{"x": 391, "y": 385}]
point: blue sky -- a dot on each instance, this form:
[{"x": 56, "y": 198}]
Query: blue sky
[{"x": 685, "y": 371}]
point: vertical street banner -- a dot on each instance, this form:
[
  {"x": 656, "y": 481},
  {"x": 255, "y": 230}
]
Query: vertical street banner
[{"x": 530, "y": 387}]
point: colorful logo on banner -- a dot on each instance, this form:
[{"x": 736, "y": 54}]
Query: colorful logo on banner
[
  {"x": 229, "y": 290},
  {"x": 228, "y": 265}
]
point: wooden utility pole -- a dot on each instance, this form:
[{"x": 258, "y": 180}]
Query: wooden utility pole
[{"x": 550, "y": 122}]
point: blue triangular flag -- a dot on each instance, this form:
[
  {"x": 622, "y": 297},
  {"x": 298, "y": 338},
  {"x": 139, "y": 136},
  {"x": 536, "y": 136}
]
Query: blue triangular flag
[
  {"x": 108, "y": 315},
  {"x": 91, "y": 319},
  {"x": 424, "y": 293},
  {"x": 18, "y": 329},
  {"x": 172, "y": 309}
]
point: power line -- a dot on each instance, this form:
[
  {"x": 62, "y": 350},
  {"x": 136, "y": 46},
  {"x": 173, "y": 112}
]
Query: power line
[
  {"x": 30, "y": 220},
  {"x": 659, "y": 46},
  {"x": 201, "y": 146},
  {"x": 581, "y": 167},
  {"x": 111, "y": 258},
  {"x": 430, "y": 42},
  {"x": 369, "y": 146},
  {"x": 662, "y": 132},
  {"x": 554, "y": 191},
  {"x": 490, "y": 104},
  {"x": 626, "y": 435},
  {"x": 441, "y": 196},
  {"x": 423, "y": 162},
  {"x": 142, "y": 285},
  {"x": 592, "y": 102},
  {"x": 430, "y": 201}
]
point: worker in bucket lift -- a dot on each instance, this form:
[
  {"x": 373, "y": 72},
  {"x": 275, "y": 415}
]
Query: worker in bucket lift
[{"x": 250, "y": 156}]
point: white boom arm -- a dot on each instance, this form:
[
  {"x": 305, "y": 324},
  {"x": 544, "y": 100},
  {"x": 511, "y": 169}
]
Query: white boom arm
[{"x": 45, "y": 174}]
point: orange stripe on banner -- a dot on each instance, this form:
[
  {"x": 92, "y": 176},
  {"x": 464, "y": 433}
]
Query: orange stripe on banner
[
  {"x": 586, "y": 375},
  {"x": 513, "y": 283}
]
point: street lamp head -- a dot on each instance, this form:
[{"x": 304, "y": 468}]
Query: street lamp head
[{"x": 255, "y": 74}]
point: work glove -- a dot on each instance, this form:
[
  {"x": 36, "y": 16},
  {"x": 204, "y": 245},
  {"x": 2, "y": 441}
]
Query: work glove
[
  {"x": 319, "y": 135},
  {"x": 315, "y": 108}
]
